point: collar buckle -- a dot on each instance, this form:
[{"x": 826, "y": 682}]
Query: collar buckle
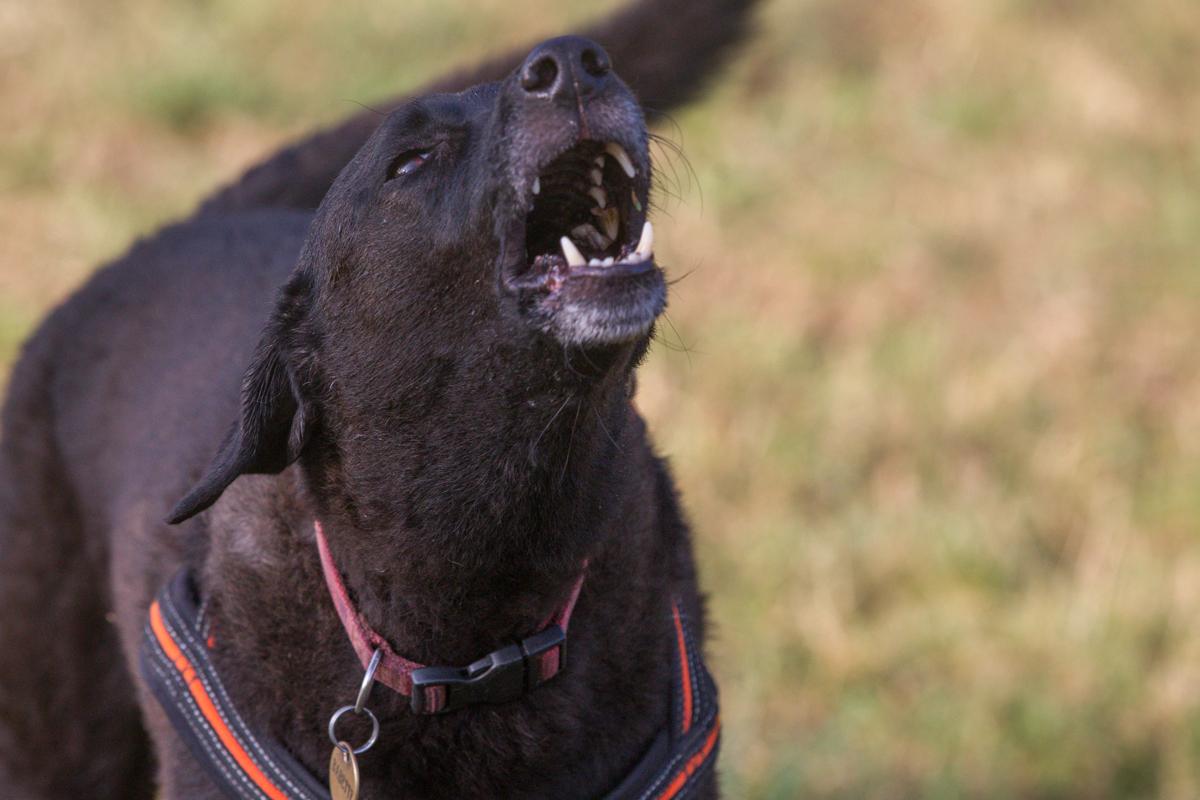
[{"x": 501, "y": 676}]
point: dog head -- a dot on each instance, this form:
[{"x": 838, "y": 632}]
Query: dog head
[{"x": 475, "y": 288}]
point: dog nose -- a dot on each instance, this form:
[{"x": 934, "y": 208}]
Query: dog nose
[{"x": 568, "y": 68}]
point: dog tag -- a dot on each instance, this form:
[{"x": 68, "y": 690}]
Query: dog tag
[{"x": 343, "y": 773}]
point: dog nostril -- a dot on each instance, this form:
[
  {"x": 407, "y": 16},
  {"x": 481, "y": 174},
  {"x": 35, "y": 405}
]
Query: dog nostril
[
  {"x": 595, "y": 63},
  {"x": 540, "y": 75}
]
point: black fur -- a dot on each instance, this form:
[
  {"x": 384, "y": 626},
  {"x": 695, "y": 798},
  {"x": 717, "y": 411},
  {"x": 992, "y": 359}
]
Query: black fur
[{"x": 456, "y": 415}]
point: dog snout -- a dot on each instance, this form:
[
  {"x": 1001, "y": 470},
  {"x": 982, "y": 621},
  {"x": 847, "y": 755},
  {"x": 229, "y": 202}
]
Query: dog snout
[{"x": 566, "y": 70}]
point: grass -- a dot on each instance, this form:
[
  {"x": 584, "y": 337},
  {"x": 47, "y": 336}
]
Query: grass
[{"x": 931, "y": 380}]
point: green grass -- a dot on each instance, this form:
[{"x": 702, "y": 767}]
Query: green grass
[{"x": 931, "y": 381}]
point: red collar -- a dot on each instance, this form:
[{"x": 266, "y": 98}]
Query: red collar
[{"x": 500, "y": 676}]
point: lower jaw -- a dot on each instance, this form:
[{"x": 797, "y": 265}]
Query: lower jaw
[{"x": 598, "y": 310}]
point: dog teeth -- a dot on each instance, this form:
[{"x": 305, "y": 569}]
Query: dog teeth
[
  {"x": 598, "y": 161},
  {"x": 645, "y": 247},
  {"x": 537, "y": 185},
  {"x": 610, "y": 220},
  {"x": 598, "y": 194},
  {"x": 617, "y": 152},
  {"x": 573, "y": 256},
  {"x": 601, "y": 262},
  {"x": 597, "y": 176}
]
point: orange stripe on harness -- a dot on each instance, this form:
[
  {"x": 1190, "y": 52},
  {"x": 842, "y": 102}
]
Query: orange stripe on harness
[
  {"x": 685, "y": 671},
  {"x": 208, "y": 708},
  {"x": 694, "y": 763}
]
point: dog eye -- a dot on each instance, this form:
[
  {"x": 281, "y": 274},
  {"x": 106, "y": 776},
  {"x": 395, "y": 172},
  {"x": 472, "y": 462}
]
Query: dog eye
[{"x": 408, "y": 162}]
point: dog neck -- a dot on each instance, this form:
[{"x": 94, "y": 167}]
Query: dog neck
[{"x": 451, "y": 572}]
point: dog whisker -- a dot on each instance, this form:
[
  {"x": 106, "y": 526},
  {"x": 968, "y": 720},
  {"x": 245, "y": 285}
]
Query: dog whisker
[
  {"x": 533, "y": 447},
  {"x": 603, "y": 427},
  {"x": 570, "y": 444}
]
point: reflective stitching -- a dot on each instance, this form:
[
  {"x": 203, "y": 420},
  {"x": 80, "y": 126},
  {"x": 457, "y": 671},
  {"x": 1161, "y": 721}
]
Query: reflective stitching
[
  {"x": 205, "y": 673},
  {"x": 173, "y": 684},
  {"x": 204, "y": 734},
  {"x": 663, "y": 773},
  {"x": 206, "y": 704},
  {"x": 696, "y": 765},
  {"x": 253, "y": 740},
  {"x": 210, "y": 673},
  {"x": 202, "y": 674},
  {"x": 685, "y": 666},
  {"x": 701, "y": 772},
  {"x": 668, "y": 771},
  {"x": 692, "y": 663}
]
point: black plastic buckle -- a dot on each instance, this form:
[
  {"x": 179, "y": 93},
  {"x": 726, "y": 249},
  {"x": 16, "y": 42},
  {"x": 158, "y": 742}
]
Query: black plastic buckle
[{"x": 501, "y": 676}]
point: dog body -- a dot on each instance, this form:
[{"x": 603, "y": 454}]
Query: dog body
[
  {"x": 279, "y": 639},
  {"x": 448, "y": 397}
]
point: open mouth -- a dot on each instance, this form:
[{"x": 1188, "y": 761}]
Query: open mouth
[
  {"x": 588, "y": 216},
  {"x": 582, "y": 253}
]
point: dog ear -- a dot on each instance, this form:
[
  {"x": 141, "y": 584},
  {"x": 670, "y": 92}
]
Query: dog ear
[{"x": 273, "y": 423}]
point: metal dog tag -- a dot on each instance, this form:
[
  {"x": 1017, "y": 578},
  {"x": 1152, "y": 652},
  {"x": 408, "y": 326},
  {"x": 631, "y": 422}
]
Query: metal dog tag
[{"x": 343, "y": 773}]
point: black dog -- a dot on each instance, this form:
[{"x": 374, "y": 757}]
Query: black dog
[{"x": 443, "y": 387}]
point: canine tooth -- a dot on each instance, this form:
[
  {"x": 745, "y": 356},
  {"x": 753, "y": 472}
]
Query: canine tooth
[
  {"x": 610, "y": 220},
  {"x": 537, "y": 185},
  {"x": 574, "y": 257},
  {"x": 599, "y": 161},
  {"x": 646, "y": 243},
  {"x": 599, "y": 195},
  {"x": 597, "y": 176},
  {"x": 616, "y": 151}
]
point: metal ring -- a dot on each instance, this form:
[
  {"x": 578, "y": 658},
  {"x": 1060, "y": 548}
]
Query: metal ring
[
  {"x": 358, "y": 751},
  {"x": 364, "y": 691}
]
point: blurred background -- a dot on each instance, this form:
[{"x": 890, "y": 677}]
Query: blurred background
[{"x": 930, "y": 382}]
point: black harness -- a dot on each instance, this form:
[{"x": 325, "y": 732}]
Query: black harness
[{"x": 175, "y": 664}]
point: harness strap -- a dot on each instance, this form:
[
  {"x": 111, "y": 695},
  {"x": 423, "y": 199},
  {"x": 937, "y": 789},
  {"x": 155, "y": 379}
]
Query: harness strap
[
  {"x": 679, "y": 758},
  {"x": 176, "y": 665}
]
